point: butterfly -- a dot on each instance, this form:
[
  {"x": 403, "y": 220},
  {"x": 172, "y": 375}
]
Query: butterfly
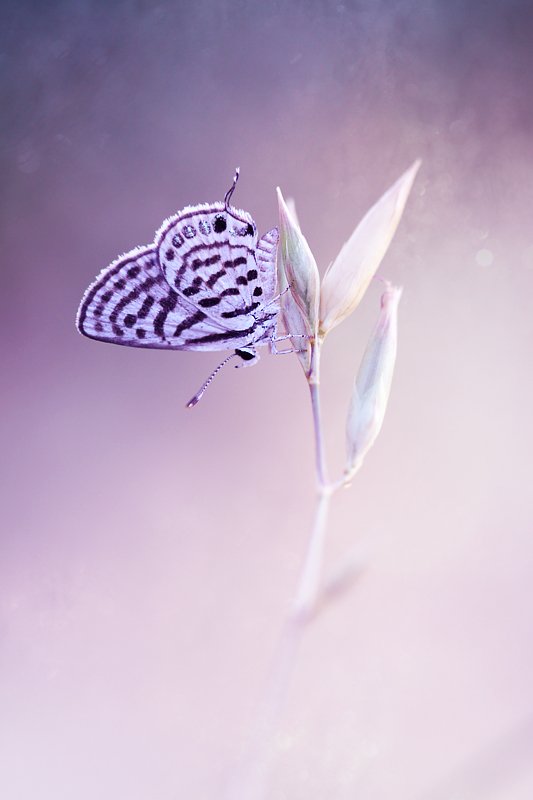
[{"x": 206, "y": 283}]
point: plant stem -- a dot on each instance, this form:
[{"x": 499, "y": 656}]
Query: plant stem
[
  {"x": 252, "y": 781},
  {"x": 314, "y": 389},
  {"x": 308, "y": 587},
  {"x": 309, "y": 584}
]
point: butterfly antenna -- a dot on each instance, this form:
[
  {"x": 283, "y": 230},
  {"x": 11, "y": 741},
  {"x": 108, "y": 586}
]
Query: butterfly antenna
[
  {"x": 199, "y": 394},
  {"x": 230, "y": 191}
]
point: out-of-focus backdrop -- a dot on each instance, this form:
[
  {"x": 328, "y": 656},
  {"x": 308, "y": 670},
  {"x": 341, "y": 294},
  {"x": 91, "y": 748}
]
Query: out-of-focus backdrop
[{"x": 149, "y": 553}]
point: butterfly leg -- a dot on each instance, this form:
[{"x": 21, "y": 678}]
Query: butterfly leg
[
  {"x": 274, "y": 350},
  {"x": 286, "y": 352},
  {"x": 290, "y": 336},
  {"x": 277, "y": 297},
  {"x": 274, "y": 339}
]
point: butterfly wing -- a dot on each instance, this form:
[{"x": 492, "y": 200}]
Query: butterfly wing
[
  {"x": 265, "y": 256},
  {"x": 131, "y": 303},
  {"x": 205, "y": 284},
  {"x": 210, "y": 254}
]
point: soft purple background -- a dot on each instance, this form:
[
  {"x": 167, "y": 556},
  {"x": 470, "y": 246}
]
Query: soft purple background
[{"x": 149, "y": 553}]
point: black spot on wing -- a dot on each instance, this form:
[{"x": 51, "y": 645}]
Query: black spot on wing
[
  {"x": 233, "y": 263},
  {"x": 221, "y": 337},
  {"x": 146, "y": 306},
  {"x": 167, "y": 304},
  {"x": 194, "y": 288},
  {"x": 130, "y": 297},
  {"x": 207, "y": 302},
  {"x": 215, "y": 277},
  {"x": 219, "y": 224},
  {"x": 239, "y": 312},
  {"x": 197, "y": 263},
  {"x": 198, "y": 316}
]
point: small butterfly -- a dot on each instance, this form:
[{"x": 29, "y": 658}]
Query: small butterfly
[{"x": 206, "y": 283}]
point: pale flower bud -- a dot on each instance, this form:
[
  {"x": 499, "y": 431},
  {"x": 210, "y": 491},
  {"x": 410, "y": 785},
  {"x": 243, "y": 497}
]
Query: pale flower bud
[
  {"x": 295, "y": 324},
  {"x": 292, "y": 316},
  {"x": 299, "y": 266},
  {"x": 348, "y": 277},
  {"x": 372, "y": 385},
  {"x": 291, "y": 208}
]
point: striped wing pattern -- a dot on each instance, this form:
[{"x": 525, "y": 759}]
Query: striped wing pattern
[{"x": 203, "y": 285}]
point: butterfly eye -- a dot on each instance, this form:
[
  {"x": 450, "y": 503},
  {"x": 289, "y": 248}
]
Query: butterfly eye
[
  {"x": 219, "y": 224},
  {"x": 245, "y": 355},
  {"x": 249, "y": 229}
]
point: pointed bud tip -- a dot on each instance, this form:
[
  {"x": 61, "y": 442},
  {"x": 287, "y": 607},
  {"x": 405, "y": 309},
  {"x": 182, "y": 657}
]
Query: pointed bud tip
[
  {"x": 391, "y": 295},
  {"x": 287, "y": 210},
  {"x": 281, "y": 202},
  {"x": 410, "y": 174},
  {"x": 390, "y": 291}
]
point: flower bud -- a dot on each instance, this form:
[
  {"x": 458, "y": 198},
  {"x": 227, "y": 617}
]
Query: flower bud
[
  {"x": 292, "y": 316},
  {"x": 299, "y": 266},
  {"x": 372, "y": 385},
  {"x": 348, "y": 277},
  {"x": 291, "y": 208}
]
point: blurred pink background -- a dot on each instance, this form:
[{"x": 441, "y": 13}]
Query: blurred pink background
[{"x": 148, "y": 553}]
